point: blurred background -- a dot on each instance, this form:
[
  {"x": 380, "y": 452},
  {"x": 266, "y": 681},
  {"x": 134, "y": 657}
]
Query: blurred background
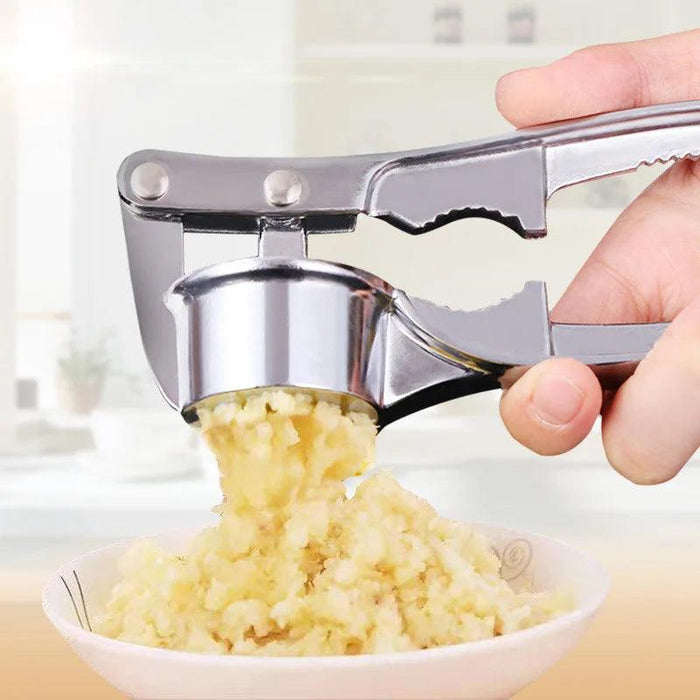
[{"x": 89, "y": 452}]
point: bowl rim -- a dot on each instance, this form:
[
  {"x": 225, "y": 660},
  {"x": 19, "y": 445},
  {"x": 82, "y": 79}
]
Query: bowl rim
[{"x": 574, "y": 617}]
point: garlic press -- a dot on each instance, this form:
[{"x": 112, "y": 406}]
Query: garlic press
[{"x": 281, "y": 319}]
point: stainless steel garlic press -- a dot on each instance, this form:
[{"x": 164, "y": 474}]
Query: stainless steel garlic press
[{"x": 281, "y": 319}]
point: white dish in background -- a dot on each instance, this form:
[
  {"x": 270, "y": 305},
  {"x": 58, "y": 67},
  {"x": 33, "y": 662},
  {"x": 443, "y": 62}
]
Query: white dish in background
[
  {"x": 138, "y": 444},
  {"x": 493, "y": 669},
  {"x": 24, "y": 463},
  {"x": 120, "y": 430},
  {"x": 143, "y": 466}
]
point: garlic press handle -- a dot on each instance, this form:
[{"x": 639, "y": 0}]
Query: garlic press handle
[
  {"x": 517, "y": 332},
  {"x": 619, "y": 142},
  {"x": 510, "y": 178}
]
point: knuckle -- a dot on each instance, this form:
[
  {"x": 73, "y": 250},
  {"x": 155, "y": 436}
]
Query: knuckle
[
  {"x": 677, "y": 348},
  {"x": 626, "y": 463},
  {"x": 638, "y": 463},
  {"x": 630, "y": 73}
]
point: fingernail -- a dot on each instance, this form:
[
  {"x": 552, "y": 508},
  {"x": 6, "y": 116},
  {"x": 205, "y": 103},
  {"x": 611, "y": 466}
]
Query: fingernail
[{"x": 556, "y": 400}]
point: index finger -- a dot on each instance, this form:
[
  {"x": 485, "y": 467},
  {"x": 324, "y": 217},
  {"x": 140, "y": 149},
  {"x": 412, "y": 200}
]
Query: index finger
[{"x": 604, "y": 78}]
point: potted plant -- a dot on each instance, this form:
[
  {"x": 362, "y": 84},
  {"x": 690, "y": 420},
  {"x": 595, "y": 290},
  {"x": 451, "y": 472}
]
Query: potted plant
[{"x": 82, "y": 369}]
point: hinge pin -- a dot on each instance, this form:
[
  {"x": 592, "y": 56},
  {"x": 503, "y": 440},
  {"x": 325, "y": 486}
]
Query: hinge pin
[
  {"x": 283, "y": 188},
  {"x": 149, "y": 181}
]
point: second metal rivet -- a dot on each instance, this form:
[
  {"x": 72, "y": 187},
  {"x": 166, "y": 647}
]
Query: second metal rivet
[{"x": 283, "y": 188}]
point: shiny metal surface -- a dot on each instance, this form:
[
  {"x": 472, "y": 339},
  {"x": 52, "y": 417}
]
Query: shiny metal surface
[
  {"x": 517, "y": 332},
  {"x": 149, "y": 181},
  {"x": 283, "y": 188},
  {"x": 156, "y": 256},
  {"x": 508, "y": 178},
  {"x": 260, "y": 322},
  {"x": 283, "y": 320},
  {"x": 279, "y": 322},
  {"x": 282, "y": 238}
]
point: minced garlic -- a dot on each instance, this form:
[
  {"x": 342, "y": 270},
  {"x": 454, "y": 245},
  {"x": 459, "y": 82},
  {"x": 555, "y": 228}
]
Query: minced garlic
[{"x": 296, "y": 568}]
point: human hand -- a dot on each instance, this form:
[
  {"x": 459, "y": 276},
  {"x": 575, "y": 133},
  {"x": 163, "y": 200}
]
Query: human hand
[{"x": 646, "y": 269}]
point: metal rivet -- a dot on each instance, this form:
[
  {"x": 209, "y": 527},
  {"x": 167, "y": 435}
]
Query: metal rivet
[
  {"x": 149, "y": 181},
  {"x": 282, "y": 188}
]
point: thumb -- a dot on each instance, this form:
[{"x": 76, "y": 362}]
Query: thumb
[{"x": 553, "y": 406}]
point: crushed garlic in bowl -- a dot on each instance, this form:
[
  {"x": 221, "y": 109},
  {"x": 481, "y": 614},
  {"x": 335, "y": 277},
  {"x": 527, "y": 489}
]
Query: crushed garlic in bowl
[{"x": 296, "y": 568}]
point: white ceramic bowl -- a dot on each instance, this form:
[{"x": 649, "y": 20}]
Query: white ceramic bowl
[
  {"x": 490, "y": 669},
  {"x": 123, "y": 431},
  {"x": 141, "y": 444}
]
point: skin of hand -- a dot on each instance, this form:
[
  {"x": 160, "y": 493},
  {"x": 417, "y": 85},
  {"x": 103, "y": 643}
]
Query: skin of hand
[{"x": 647, "y": 268}]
